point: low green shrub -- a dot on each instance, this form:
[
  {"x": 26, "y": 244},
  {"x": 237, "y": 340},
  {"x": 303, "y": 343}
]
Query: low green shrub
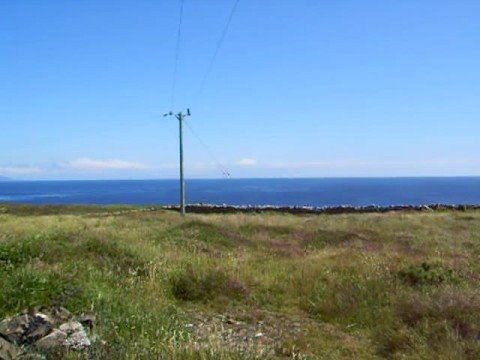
[
  {"x": 24, "y": 288},
  {"x": 206, "y": 233},
  {"x": 459, "y": 309},
  {"x": 41, "y": 246},
  {"x": 443, "y": 321},
  {"x": 393, "y": 339},
  {"x": 192, "y": 285},
  {"x": 18, "y": 252},
  {"x": 324, "y": 238},
  {"x": 349, "y": 297},
  {"x": 426, "y": 274}
]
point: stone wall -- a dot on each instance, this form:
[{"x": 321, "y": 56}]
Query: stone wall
[{"x": 227, "y": 209}]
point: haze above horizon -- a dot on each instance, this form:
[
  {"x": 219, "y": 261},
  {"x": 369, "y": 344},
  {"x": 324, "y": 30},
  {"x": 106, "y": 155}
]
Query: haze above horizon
[{"x": 299, "y": 88}]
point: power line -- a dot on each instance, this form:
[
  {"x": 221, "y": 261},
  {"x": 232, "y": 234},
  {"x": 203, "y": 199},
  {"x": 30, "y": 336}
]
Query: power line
[
  {"x": 181, "y": 116},
  {"x": 217, "y": 163},
  {"x": 217, "y": 49},
  {"x": 177, "y": 54}
]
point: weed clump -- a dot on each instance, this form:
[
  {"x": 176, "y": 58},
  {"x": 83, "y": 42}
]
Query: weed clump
[
  {"x": 394, "y": 339},
  {"x": 445, "y": 321},
  {"x": 426, "y": 274},
  {"x": 349, "y": 297},
  {"x": 193, "y": 285},
  {"x": 202, "y": 232},
  {"x": 19, "y": 252},
  {"x": 44, "y": 246},
  {"x": 25, "y": 288},
  {"x": 460, "y": 310},
  {"x": 325, "y": 238}
]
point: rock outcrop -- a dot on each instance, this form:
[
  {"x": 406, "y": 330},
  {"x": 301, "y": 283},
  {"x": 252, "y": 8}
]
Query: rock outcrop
[{"x": 42, "y": 331}]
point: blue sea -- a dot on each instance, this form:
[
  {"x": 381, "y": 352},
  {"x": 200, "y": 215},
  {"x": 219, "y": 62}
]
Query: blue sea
[{"x": 311, "y": 192}]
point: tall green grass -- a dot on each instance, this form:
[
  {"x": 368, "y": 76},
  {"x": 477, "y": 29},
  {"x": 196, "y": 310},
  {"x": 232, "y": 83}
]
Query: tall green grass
[{"x": 324, "y": 286}]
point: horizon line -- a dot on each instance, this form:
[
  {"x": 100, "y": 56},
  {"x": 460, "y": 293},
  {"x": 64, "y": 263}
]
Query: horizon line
[{"x": 6, "y": 179}]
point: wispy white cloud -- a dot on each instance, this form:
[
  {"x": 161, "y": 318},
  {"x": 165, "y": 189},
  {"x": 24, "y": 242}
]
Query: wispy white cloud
[
  {"x": 247, "y": 162},
  {"x": 317, "y": 164},
  {"x": 20, "y": 170},
  {"x": 104, "y": 164},
  {"x": 86, "y": 167},
  {"x": 358, "y": 164}
]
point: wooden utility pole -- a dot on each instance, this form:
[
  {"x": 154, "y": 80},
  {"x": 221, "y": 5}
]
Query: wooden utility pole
[{"x": 181, "y": 117}]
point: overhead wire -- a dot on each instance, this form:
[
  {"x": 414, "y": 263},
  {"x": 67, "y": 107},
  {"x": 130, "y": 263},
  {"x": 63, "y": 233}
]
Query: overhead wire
[
  {"x": 217, "y": 49},
  {"x": 177, "y": 55},
  {"x": 203, "y": 81},
  {"x": 204, "y": 78},
  {"x": 217, "y": 163}
]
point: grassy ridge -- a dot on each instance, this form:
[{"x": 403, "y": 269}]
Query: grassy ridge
[{"x": 336, "y": 287}]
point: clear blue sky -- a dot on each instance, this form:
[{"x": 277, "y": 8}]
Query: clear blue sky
[{"x": 299, "y": 88}]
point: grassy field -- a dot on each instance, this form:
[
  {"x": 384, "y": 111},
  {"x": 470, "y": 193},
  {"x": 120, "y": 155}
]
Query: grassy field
[{"x": 367, "y": 286}]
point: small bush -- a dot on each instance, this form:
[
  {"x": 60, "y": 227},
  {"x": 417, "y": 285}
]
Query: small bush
[
  {"x": 393, "y": 339},
  {"x": 195, "y": 286},
  {"x": 460, "y": 310},
  {"x": 412, "y": 308},
  {"x": 324, "y": 238},
  {"x": 425, "y": 274},
  {"x": 42, "y": 246},
  {"x": 443, "y": 321},
  {"x": 19, "y": 252},
  {"x": 203, "y": 232},
  {"x": 271, "y": 230},
  {"x": 25, "y": 289},
  {"x": 349, "y": 297}
]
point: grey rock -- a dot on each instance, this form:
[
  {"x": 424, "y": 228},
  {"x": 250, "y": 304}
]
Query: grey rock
[
  {"x": 62, "y": 313},
  {"x": 55, "y": 339},
  {"x": 8, "y": 351},
  {"x": 71, "y": 327},
  {"x": 40, "y": 326},
  {"x": 78, "y": 340},
  {"x": 32, "y": 356},
  {"x": 87, "y": 320},
  {"x": 13, "y": 329},
  {"x": 39, "y": 329},
  {"x": 4, "y": 326},
  {"x": 58, "y": 315},
  {"x": 42, "y": 316}
]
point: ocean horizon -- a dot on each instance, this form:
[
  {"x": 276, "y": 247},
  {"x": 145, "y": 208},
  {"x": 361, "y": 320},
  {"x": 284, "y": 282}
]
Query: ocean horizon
[{"x": 353, "y": 191}]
